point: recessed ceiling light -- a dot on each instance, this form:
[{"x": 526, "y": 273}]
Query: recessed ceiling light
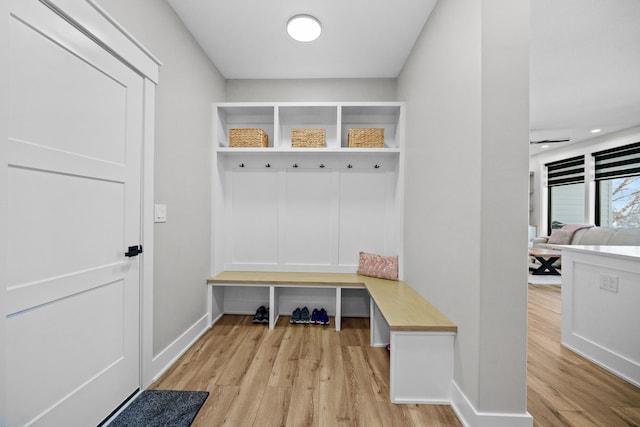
[
  {"x": 595, "y": 130},
  {"x": 304, "y": 28}
]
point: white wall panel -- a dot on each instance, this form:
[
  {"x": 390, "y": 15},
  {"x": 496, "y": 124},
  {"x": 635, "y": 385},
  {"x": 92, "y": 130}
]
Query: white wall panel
[
  {"x": 607, "y": 318},
  {"x": 254, "y": 216},
  {"x": 363, "y": 214},
  {"x": 308, "y": 231}
]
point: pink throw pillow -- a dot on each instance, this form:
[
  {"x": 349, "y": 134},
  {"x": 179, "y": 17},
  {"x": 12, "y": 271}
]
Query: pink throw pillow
[
  {"x": 560, "y": 237},
  {"x": 382, "y": 267}
]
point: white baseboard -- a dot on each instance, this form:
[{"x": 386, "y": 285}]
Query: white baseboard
[
  {"x": 617, "y": 364},
  {"x": 167, "y": 357},
  {"x": 470, "y": 417}
]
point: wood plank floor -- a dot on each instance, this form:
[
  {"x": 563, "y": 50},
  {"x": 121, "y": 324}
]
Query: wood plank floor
[
  {"x": 565, "y": 389},
  {"x": 294, "y": 375},
  {"x": 303, "y": 375}
]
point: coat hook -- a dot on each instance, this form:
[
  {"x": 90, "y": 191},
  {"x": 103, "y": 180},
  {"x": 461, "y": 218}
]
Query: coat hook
[
  {"x": 321, "y": 165},
  {"x": 295, "y": 165},
  {"x": 241, "y": 165},
  {"x": 268, "y": 165},
  {"x": 349, "y": 165},
  {"x": 377, "y": 166}
]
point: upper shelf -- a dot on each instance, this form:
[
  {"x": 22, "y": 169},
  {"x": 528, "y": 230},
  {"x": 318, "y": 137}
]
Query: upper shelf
[{"x": 278, "y": 119}]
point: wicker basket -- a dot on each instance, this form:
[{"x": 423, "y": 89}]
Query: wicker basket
[
  {"x": 308, "y": 138},
  {"x": 248, "y": 138},
  {"x": 366, "y": 138}
]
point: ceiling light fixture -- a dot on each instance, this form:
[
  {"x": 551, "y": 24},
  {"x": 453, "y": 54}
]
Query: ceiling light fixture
[
  {"x": 304, "y": 28},
  {"x": 595, "y": 130}
]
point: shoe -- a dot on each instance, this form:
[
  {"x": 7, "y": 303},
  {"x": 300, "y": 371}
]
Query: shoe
[
  {"x": 260, "y": 314},
  {"x": 324, "y": 317},
  {"x": 315, "y": 317},
  {"x": 304, "y": 315},
  {"x": 265, "y": 317},
  {"x": 295, "y": 317}
]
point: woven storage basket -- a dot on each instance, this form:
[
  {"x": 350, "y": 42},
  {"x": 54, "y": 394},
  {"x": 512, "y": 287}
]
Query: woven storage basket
[
  {"x": 308, "y": 138},
  {"x": 366, "y": 138},
  {"x": 248, "y": 138}
]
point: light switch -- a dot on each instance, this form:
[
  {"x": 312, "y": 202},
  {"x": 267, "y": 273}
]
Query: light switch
[{"x": 160, "y": 213}]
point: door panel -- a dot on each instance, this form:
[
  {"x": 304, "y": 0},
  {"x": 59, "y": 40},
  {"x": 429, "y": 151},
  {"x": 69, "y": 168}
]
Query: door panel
[
  {"x": 82, "y": 103},
  {"x": 73, "y": 298},
  {"x": 79, "y": 235},
  {"x": 45, "y": 346}
]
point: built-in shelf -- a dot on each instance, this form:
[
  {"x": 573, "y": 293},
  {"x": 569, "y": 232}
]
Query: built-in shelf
[
  {"x": 278, "y": 119},
  {"x": 279, "y": 208}
]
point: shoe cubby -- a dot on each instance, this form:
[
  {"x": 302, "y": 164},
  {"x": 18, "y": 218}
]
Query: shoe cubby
[{"x": 282, "y": 300}]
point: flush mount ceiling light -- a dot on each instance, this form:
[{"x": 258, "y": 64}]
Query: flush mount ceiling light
[{"x": 304, "y": 28}]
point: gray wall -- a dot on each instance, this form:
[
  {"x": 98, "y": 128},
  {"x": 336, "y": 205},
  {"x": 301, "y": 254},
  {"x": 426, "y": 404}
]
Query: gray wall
[
  {"x": 312, "y": 90},
  {"x": 466, "y": 88},
  {"x": 189, "y": 84}
]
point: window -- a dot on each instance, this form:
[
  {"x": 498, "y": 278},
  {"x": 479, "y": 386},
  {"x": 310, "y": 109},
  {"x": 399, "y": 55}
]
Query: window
[
  {"x": 565, "y": 179},
  {"x": 618, "y": 187}
]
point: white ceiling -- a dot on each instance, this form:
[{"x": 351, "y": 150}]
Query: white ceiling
[
  {"x": 585, "y": 54},
  {"x": 247, "y": 39}
]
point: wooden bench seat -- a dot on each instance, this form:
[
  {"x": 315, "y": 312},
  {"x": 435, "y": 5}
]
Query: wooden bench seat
[
  {"x": 402, "y": 307},
  {"x": 421, "y": 337}
]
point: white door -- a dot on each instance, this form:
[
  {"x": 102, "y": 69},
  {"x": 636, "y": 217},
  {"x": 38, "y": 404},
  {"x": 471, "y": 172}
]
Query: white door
[{"x": 74, "y": 155}]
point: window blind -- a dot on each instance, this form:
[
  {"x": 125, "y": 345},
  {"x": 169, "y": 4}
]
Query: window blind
[
  {"x": 564, "y": 172},
  {"x": 618, "y": 162}
]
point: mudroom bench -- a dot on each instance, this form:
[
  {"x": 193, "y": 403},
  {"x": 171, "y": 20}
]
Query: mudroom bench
[{"x": 420, "y": 337}]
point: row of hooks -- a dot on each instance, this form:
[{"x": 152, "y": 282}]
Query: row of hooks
[{"x": 321, "y": 166}]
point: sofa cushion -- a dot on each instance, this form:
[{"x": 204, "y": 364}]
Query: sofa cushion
[
  {"x": 593, "y": 236},
  {"x": 625, "y": 237},
  {"x": 560, "y": 237}
]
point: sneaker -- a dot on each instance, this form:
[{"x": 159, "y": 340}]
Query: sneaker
[
  {"x": 265, "y": 317},
  {"x": 295, "y": 317},
  {"x": 324, "y": 317},
  {"x": 260, "y": 313},
  {"x": 304, "y": 315},
  {"x": 315, "y": 317}
]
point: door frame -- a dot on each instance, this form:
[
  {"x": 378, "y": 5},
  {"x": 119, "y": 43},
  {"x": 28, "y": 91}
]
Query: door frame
[
  {"x": 93, "y": 21},
  {"x": 4, "y": 131}
]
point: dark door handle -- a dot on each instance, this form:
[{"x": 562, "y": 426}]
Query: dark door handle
[{"x": 134, "y": 251}]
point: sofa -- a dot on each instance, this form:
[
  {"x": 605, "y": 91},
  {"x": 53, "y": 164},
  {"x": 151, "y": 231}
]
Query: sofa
[{"x": 588, "y": 235}]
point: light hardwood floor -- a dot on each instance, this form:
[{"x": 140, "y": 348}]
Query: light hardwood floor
[
  {"x": 303, "y": 375},
  {"x": 294, "y": 375},
  {"x": 565, "y": 389}
]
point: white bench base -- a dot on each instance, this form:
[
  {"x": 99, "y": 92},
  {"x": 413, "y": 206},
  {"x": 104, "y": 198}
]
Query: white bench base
[{"x": 421, "y": 367}]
